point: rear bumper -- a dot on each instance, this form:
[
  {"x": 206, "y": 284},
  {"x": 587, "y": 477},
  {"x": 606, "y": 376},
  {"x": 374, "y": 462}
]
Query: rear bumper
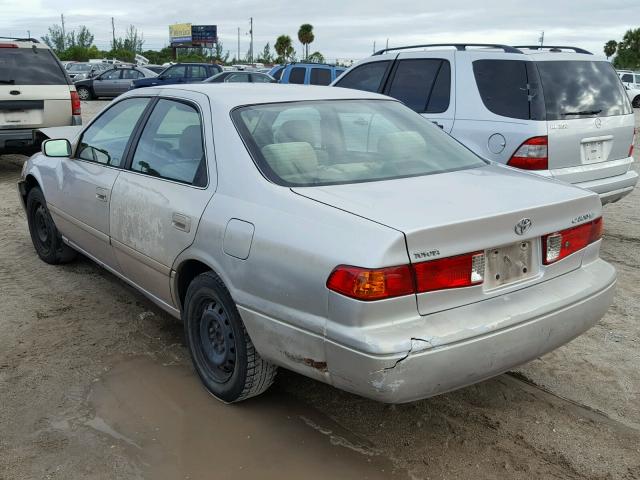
[
  {"x": 16, "y": 139},
  {"x": 612, "y": 189},
  {"x": 551, "y": 314}
]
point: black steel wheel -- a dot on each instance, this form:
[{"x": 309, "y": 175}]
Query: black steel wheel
[
  {"x": 45, "y": 236},
  {"x": 222, "y": 352}
]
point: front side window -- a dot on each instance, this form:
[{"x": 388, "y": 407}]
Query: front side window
[
  {"x": 574, "y": 89},
  {"x": 105, "y": 141},
  {"x": 171, "y": 144},
  {"x": 346, "y": 141},
  {"x": 296, "y": 75},
  {"x": 367, "y": 77},
  {"x": 112, "y": 75},
  {"x": 258, "y": 78},
  {"x": 423, "y": 85},
  {"x": 177, "y": 71},
  {"x": 320, "y": 76}
]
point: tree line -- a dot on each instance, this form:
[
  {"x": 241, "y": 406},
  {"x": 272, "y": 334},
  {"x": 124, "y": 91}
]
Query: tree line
[
  {"x": 78, "y": 45},
  {"x": 626, "y": 51}
]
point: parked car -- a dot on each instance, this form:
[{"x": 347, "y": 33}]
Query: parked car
[
  {"x": 155, "y": 68},
  {"x": 630, "y": 78},
  {"x": 78, "y": 70},
  {"x": 241, "y": 77},
  {"x": 328, "y": 231},
  {"x": 111, "y": 83},
  {"x": 634, "y": 96},
  {"x": 306, "y": 73},
  {"x": 558, "y": 113},
  {"x": 35, "y": 92},
  {"x": 180, "y": 73}
]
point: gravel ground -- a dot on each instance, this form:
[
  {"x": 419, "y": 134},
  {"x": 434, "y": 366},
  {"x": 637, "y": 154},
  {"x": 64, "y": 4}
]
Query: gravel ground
[{"x": 95, "y": 382}]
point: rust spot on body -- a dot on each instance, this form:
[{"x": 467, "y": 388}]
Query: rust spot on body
[{"x": 309, "y": 362}]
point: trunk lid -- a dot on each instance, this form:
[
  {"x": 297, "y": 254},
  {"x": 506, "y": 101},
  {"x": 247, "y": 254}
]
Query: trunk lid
[
  {"x": 589, "y": 119},
  {"x": 465, "y": 211}
]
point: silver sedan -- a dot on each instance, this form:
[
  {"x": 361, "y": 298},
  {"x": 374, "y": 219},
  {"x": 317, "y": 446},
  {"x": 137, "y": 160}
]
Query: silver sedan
[{"x": 327, "y": 231}]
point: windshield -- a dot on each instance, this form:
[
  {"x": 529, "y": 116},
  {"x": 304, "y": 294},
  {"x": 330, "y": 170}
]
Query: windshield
[
  {"x": 577, "y": 88},
  {"x": 79, "y": 67},
  {"x": 346, "y": 141},
  {"x": 30, "y": 66}
]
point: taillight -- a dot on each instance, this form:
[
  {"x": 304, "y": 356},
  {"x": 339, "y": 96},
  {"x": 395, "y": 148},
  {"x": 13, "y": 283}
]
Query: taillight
[
  {"x": 559, "y": 245},
  {"x": 377, "y": 284},
  {"x": 75, "y": 104},
  {"x": 371, "y": 284},
  {"x": 531, "y": 155},
  {"x": 451, "y": 272},
  {"x": 8, "y": 45},
  {"x": 633, "y": 141}
]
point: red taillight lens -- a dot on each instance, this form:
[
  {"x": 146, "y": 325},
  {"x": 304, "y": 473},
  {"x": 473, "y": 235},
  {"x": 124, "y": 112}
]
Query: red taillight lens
[
  {"x": 8, "y": 45},
  {"x": 559, "y": 245},
  {"x": 371, "y": 284},
  {"x": 531, "y": 155},
  {"x": 633, "y": 141},
  {"x": 451, "y": 272},
  {"x": 75, "y": 104}
]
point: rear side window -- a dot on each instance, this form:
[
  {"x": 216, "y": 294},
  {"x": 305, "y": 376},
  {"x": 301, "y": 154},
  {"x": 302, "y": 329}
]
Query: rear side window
[
  {"x": 320, "y": 76},
  {"x": 198, "y": 71},
  {"x": 627, "y": 77},
  {"x": 423, "y": 85},
  {"x": 296, "y": 75},
  {"x": 30, "y": 66},
  {"x": 573, "y": 89},
  {"x": 177, "y": 71},
  {"x": 367, "y": 77},
  {"x": 509, "y": 88}
]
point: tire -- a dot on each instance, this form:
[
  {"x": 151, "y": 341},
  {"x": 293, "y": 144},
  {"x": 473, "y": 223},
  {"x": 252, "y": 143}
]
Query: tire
[
  {"x": 84, "y": 93},
  {"x": 636, "y": 102},
  {"x": 45, "y": 236},
  {"x": 222, "y": 352}
]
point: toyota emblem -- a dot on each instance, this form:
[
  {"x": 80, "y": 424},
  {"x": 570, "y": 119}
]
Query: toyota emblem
[{"x": 522, "y": 226}]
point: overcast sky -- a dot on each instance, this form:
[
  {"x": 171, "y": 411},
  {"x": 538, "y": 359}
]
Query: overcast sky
[{"x": 343, "y": 29}]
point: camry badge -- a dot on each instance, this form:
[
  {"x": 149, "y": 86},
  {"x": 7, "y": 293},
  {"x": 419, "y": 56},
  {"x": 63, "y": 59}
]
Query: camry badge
[{"x": 522, "y": 226}]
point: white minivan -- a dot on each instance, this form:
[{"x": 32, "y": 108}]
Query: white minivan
[
  {"x": 35, "y": 92},
  {"x": 558, "y": 111}
]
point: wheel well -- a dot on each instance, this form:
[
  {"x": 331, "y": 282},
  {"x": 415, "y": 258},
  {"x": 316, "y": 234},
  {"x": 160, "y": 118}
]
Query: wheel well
[
  {"x": 29, "y": 183},
  {"x": 187, "y": 271}
]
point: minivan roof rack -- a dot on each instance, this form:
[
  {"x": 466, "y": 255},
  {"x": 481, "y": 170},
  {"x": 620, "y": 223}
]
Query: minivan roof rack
[
  {"x": 555, "y": 48},
  {"x": 34, "y": 40},
  {"x": 458, "y": 46}
]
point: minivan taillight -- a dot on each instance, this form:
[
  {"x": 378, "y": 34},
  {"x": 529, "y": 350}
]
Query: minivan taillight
[
  {"x": 533, "y": 154},
  {"x": 633, "y": 141},
  {"x": 559, "y": 245},
  {"x": 75, "y": 104},
  {"x": 8, "y": 45},
  {"x": 380, "y": 283}
]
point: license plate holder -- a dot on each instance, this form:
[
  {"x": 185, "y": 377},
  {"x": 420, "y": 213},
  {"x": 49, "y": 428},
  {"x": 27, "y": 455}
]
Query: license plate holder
[
  {"x": 508, "y": 264},
  {"x": 593, "y": 151}
]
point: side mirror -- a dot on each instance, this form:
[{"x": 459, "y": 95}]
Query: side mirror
[
  {"x": 56, "y": 148},
  {"x": 161, "y": 77}
]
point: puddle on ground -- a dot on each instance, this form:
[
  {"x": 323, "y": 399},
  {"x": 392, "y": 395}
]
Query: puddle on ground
[{"x": 176, "y": 430}]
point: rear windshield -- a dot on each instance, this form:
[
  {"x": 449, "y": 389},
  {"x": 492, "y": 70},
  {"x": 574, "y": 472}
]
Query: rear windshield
[
  {"x": 30, "y": 66},
  {"x": 79, "y": 67},
  {"x": 346, "y": 141},
  {"x": 577, "y": 88}
]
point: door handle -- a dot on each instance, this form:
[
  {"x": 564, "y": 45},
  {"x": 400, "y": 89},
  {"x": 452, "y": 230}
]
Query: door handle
[
  {"x": 181, "y": 222},
  {"x": 102, "y": 194}
]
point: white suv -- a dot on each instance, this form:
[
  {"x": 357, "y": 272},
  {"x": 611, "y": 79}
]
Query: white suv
[
  {"x": 560, "y": 113},
  {"x": 35, "y": 92}
]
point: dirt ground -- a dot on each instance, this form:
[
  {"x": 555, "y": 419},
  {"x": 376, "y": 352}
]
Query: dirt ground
[{"x": 95, "y": 383}]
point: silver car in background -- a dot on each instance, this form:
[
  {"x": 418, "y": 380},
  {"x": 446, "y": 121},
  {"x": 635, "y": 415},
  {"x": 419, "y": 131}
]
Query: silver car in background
[{"x": 332, "y": 232}]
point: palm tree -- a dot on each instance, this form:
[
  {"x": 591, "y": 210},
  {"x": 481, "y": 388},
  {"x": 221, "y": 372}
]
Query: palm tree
[
  {"x": 284, "y": 47},
  {"x": 305, "y": 35},
  {"x": 610, "y": 48}
]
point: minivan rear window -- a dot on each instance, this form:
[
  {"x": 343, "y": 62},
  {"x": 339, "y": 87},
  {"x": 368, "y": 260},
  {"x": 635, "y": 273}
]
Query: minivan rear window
[
  {"x": 573, "y": 89},
  {"x": 30, "y": 66}
]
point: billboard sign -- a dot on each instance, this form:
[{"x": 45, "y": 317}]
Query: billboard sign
[
  {"x": 204, "y": 34},
  {"x": 180, "y": 33}
]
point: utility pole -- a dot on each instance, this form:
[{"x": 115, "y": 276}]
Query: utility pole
[
  {"x": 113, "y": 33},
  {"x": 251, "y": 35},
  {"x": 374, "y": 46},
  {"x": 64, "y": 37},
  {"x": 541, "y": 39},
  {"x": 387, "y": 47},
  {"x": 28, "y": 33},
  {"x": 238, "y": 58}
]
